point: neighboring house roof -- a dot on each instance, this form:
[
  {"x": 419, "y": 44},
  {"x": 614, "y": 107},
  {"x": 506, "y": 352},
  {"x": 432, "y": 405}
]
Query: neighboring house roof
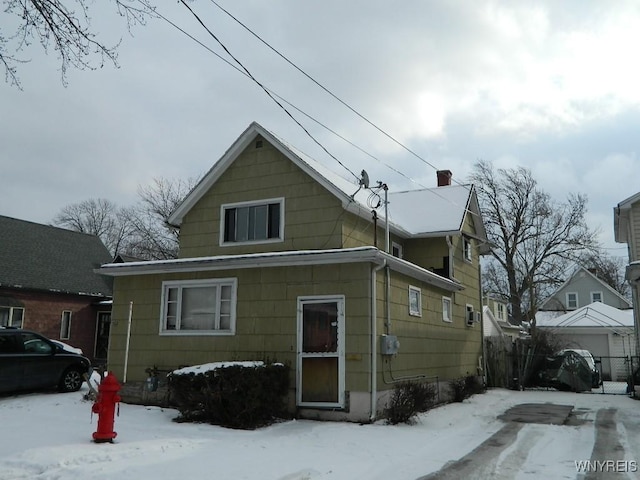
[
  {"x": 442, "y": 209},
  {"x": 548, "y": 302},
  {"x": 279, "y": 259},
  {"x": 501, "y": 326},
  {"x": 621, "y": 218},
  {"x": 121, "y": 258},
  {"x": 42, "y": 257},
  {"x": 596, "y": 314}
]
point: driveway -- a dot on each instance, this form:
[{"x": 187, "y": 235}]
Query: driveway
[{"x": 507, "y": 453}]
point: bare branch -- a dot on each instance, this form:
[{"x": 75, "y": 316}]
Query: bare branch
[{"x": 56, "y": 24}]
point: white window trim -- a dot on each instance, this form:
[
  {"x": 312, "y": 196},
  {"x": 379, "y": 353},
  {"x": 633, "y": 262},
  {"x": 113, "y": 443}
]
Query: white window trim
[
  {"x": 217, "y": 282},
  {"x": 11, "y": 311},
  {"x": 65, "y": 333},
  {"x": 500, "y": 311},
  {"x": 448, "y": 319},
  {"x": 252, "y": 203},
  {"x": 467, "y": 249},
  {"x": 399, "y": 247},
  {"x": 417, "y": 312},
  {"x": 598, "y": 293},
  {"x": 339, "y": 354},
  {"x": 469, "y": 310},
  {"x": 567, "y": 299}
]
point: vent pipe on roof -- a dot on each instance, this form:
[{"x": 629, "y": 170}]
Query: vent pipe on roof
[{"x": 444, "y": 177}]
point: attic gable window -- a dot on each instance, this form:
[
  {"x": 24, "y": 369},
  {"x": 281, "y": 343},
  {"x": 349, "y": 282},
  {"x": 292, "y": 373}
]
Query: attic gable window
[
  {"x": 572, "y": 300},
  {"x": 253, "y": 222}
]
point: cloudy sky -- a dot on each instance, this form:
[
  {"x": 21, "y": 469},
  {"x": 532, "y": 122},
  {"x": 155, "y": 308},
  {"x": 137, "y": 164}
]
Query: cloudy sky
[{"x": 552, "y": 86}]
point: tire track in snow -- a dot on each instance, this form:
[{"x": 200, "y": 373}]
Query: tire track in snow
[{"x": 481, "y": 462}]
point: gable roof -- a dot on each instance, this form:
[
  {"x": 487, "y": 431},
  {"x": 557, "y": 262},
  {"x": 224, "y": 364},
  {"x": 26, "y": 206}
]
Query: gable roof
[
  {"x": 621, "y": 215},
  {"x": 581, "y": 269},
  {"x": 596, "y": 314},
  {"x": 41, "y": 257},
  {"x": 501, "y": 326},
  {"x": 444, "y": 208}
]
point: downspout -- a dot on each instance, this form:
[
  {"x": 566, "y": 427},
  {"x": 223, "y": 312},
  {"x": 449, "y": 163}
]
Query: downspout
[
  {"x": 126, "y": 348},
  {"x": 374, "y": 341},
  {"x": 484, "y": 357},
  {"x": 451, "y": 252}
]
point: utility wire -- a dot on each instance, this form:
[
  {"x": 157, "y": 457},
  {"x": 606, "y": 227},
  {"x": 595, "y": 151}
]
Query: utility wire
[
  {"x": 267, "y": 90},
  {"x": 282, "y": 99},
  {"x": 389, "y": 136},
  {"x": 272, "y": 94}
]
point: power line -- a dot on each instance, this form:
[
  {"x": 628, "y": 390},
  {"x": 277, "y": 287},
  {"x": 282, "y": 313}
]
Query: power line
[
  {"x": 389, "y": 136},
  {"x": 281, "y": 99},
  {"x": 266, "y": 90}
]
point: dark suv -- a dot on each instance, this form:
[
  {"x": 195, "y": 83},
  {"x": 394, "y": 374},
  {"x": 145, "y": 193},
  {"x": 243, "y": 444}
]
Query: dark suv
[{"x": 29, "y": 361}]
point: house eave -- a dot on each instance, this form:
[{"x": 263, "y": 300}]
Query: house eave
[{"x": 280, "y": 259}]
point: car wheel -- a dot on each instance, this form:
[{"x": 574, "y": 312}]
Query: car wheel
[{"x": 71, "y": 380}]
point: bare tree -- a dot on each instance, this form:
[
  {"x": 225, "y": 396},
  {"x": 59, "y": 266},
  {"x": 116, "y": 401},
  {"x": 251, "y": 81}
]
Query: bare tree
[
  {"x": 140, "y": 231},
  {"x": 534, "y": 238},
  {"x": 99, "y": 217},
  {"x": 151, "y": 235},
  {"x": 65, "y": 26}
]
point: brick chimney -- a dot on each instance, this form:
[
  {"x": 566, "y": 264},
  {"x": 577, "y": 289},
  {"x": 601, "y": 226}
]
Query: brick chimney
[{"x": 444, "y": 177}]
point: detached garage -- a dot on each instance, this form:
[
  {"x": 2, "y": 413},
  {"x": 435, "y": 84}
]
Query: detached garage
[{"x": 605, "y": 331}]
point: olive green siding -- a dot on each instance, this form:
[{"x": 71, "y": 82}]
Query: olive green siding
[
  {"x": 266, "y": 320},
  {"x": 312, "y": 215},
  {"x": 428, "y": 345},
  {"x": 266, "y": 325}
]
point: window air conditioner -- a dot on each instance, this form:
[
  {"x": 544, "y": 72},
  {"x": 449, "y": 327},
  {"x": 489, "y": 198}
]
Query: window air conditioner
[{"x": 470, "y": 318}]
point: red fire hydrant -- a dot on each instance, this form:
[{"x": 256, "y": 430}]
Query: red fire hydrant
[{"x": 105, "y": 407}]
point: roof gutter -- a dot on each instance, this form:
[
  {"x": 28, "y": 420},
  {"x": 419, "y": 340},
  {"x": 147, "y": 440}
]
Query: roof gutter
[{"x": 279, "y": 259}]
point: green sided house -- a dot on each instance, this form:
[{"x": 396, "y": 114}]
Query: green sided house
[{"x": 281, "y": 260}]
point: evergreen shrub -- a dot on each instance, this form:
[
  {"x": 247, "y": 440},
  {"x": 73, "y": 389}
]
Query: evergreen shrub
[{"x": 233, "y": 396}]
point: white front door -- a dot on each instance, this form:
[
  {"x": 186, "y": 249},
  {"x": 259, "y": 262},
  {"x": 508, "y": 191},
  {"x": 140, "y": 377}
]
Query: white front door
[{"x": 320, "y": 369}]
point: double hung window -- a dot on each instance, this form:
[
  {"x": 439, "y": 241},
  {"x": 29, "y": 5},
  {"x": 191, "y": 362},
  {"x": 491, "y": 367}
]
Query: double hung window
[
  {"x": 199, "y": 307},
  {"x": 446, "y": 309},
  {"x": 253, "y": 222},
  {"x": 11, "y": 316}
]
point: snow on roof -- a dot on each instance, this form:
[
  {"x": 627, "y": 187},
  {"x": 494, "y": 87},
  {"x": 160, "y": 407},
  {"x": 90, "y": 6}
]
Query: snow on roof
[
  {"x": 430, "y": 210},
  {"x": 424, "y": 211},
  {"x": 596, "y": 314},
  {"x": 208, "y": 367}
]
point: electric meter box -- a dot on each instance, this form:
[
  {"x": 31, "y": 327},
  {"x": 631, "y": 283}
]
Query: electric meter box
[{"x": 389, "y": 344}]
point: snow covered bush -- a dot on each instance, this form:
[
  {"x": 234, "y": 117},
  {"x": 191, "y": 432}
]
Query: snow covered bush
[{"x": 244, "y": 395}]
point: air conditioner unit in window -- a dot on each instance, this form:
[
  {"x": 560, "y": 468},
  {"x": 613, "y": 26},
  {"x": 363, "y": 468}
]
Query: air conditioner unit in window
[
  {"x": 470, "y": 318},
  {"x": 478, "y": 317}
]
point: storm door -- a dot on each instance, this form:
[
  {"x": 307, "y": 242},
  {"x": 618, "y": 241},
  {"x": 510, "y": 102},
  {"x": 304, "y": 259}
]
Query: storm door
[{"x": 320, "y": 372}]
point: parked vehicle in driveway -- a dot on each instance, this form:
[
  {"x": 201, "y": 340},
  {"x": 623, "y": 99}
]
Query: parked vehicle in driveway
[
  {"x": 596, "y": 381},
  {"x": 570, "y": 369},
  {"x": 30, "y": 361}
]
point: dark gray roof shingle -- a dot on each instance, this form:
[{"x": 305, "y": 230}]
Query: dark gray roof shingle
[{"x": 41, "y": 257}]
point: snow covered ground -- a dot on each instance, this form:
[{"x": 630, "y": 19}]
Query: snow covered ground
[{"x": 49, "y": 436}]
